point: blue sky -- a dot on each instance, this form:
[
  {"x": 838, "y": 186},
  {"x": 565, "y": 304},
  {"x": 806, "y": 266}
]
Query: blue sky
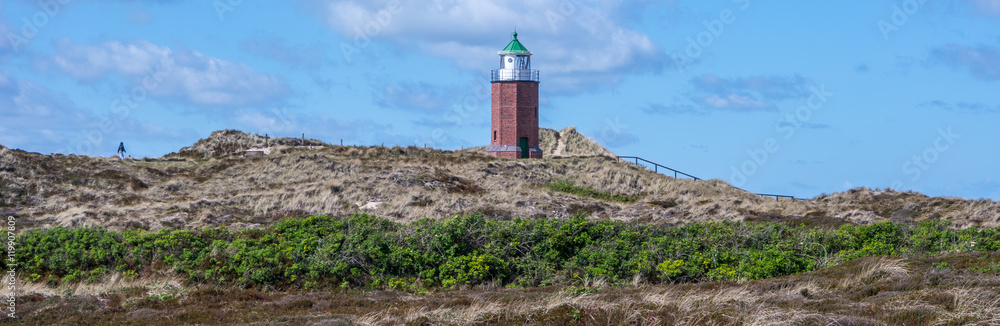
[{"x": 788, "y": 97}]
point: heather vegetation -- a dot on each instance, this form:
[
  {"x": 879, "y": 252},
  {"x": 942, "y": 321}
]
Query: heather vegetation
[{"x": 367, "y": 252}]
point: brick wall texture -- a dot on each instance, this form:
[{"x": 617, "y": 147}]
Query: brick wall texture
[{"x": 515, "y": 115}]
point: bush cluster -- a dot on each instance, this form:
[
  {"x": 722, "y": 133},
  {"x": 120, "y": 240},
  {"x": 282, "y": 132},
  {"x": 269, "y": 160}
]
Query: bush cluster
[{"x": 373, "y": 252}]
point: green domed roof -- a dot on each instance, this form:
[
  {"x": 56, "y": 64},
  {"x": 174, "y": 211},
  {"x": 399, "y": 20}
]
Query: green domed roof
[{"x": 515, "y": 46}]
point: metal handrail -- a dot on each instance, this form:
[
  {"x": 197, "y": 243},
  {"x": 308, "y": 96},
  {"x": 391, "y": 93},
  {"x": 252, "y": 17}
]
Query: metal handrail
[
  {"x": 657, "y": 166},
  {"x": 514, "y": 75},
  {"x": 776, "y": 197}
]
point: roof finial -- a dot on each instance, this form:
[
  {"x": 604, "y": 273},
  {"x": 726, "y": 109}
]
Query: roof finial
[{"x": 515, "y": 32}]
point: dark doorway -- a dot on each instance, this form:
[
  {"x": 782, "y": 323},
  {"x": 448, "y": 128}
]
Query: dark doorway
[{"x": 524, "y": 147}]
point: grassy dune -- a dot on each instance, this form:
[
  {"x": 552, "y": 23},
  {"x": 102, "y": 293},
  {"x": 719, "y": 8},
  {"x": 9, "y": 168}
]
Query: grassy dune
[
  {"x": 199, "y": 190},
  {"x": 206, "y": 236}
]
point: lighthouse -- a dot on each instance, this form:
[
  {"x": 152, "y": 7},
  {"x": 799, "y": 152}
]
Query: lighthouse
[{"x": 514, "y": 131}]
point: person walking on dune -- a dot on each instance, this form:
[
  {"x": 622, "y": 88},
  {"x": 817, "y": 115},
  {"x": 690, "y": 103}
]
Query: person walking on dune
[{"x": 121, "y": 150}]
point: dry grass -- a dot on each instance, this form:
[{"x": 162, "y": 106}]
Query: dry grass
[
  {"x": 881, "y": 292},
  {"x": 576, "y": 144},
  {"x": 547, "y": 140},
  {"x": 876, "y": 268},
  {"x": 562, "y": 143},
  {"x": 206, "y": 187},
  {"x": 406, "y": 183},
  {"x": 228, "y": 142}
]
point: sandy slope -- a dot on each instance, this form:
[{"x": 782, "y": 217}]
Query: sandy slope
[{"x": 212, "y": 183}]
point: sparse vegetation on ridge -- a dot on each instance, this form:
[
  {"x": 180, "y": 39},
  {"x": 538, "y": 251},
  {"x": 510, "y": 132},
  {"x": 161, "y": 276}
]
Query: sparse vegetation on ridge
[
  {"x": 227, "y": 142},
  {"x": 574, "y": 144},
  {"x": 566, "y": 186}
]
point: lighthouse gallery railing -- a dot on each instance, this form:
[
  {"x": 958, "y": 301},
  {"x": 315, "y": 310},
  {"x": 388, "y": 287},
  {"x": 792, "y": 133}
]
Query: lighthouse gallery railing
[{"x": 514, "y": 75}]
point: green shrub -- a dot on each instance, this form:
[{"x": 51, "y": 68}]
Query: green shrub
[
  {"x": 568, "y": 187},
  {"x": 372, "y": 252}
]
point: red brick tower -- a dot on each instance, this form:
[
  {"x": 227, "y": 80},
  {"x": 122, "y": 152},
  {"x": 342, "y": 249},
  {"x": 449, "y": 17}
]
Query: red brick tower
[{"x": 515, "y": 105}]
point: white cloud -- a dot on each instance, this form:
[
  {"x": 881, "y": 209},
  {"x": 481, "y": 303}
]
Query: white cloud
[
  {"x": 750, "y": 93},
  {"x": 139, "y": 16},
  {"x": 987, "y": 7},
  {"x": 5, "y": 47},
  {"x": 420, "y": 96},
  {"x": 982, "y": 61},
  {"x": 276, "y": 47},
  {"x": 25, "y": 102},
  {"x": 36, "y": 118},
  {"x": 274, "y": 122},
  {"x": 286, "y": 123},
  {"x": 734, "y": 101},
  {"x": 771, "y": 88},
  {"x": 572, "y": 41},
  {"x": 188, "y": 76},
  {"x": 3, "y": 35}
]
